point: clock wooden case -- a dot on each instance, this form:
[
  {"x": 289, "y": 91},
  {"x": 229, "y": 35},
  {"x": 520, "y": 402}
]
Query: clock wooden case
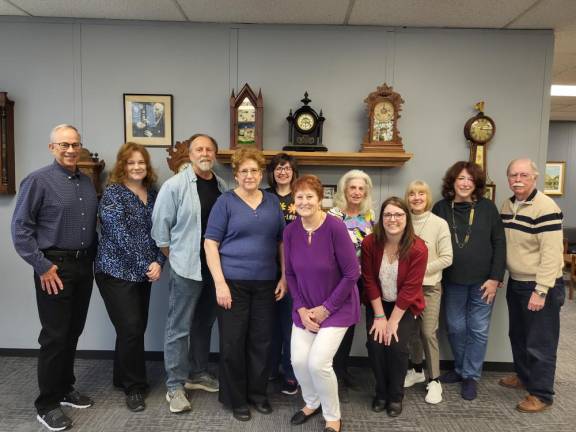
[
  {"x": 383, "y": 106},
  {"x": 246, "y": 118},
  {"x": 479, "y": 130},
  {"x": 305, "y": 128},
  {"x": 7, "y": 160}
]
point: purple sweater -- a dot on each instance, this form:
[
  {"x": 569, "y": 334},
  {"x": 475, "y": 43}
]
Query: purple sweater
[{"x": 322, "y": 273}]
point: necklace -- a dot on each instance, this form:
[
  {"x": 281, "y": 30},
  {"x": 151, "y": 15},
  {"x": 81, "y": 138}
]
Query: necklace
[
  {"x": 468, "y": 230},
  {"x": 311, "y": 231}
]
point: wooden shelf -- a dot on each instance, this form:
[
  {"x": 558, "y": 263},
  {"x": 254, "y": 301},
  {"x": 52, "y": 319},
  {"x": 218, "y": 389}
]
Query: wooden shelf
[{"x": 345, "y": 159}]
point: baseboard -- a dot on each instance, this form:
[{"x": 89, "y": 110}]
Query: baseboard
[{"x": 355, "y": 361}]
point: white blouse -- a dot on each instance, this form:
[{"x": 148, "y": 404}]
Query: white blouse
[{"x": 388, "y": 279}]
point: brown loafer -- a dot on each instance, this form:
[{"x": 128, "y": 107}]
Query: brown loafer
[
  {"x": 531, "y": 404},
  {"x": 511, "y": 381}
]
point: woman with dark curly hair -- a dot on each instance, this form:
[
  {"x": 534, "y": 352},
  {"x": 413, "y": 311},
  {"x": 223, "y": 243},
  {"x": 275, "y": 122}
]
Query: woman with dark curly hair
[
  {"x": 477, "y": 270},
  {"x": 127, "y": 263},
  {"x": 243, "y": 244}
]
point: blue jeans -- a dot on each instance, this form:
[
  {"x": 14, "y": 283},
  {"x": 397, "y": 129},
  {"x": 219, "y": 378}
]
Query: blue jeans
[
  {"x": 183, "y": 296},
  {"x": 468, "y": 323}
]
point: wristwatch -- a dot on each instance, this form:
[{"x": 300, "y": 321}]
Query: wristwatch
[{"x": 540, "y": 294}]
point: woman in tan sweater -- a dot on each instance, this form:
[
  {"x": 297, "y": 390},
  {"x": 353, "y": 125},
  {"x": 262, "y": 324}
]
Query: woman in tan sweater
[{"x": 436, "y": 234}]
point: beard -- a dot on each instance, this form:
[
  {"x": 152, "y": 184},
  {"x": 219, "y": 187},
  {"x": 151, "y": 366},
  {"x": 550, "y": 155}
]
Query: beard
[{"x": 205, "y": 165}]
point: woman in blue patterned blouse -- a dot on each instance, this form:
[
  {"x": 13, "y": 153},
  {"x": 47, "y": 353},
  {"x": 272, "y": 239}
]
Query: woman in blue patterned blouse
[{"x": 127, "y": 263}]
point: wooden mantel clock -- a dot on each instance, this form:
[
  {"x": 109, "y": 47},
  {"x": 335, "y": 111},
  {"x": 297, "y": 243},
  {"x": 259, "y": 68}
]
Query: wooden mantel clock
[
  {"x": 7, "y": 160},
  {"x": 246, "y": 118},
  {"x": 384, "y": 106}
]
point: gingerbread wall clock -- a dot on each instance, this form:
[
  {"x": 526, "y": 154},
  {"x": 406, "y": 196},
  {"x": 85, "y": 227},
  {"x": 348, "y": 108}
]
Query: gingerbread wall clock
[
  {"x": 246, "y": 118},
  {"x": 383, "y": 106}
]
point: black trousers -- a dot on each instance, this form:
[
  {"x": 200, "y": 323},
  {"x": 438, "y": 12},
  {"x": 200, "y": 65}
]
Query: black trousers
[
  {"x": 62, "y": 317},
  {"x": 534, "y": 336},
  {"x": 341, "y": 359},
  {"x": 127, "y": 305},
  {"x": 390, "y": 363},
  {"x": 245, "y": 340}
]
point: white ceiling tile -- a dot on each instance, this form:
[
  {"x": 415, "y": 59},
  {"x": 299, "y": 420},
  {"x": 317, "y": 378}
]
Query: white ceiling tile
[
  {"x": 557, "y": 14},
  {"x": 438, "y": 13},
  {"x": 8, "y": 9},
  {"x": 161, "y": 10},
  {"x": 266, "y": 11}
]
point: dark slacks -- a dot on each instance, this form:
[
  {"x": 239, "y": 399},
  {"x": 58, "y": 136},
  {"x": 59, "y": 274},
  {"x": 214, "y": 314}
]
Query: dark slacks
[
  {"x": 201, "y": 326},
  {"x": 127, "y": 305},
  {"x": 534, "y": 336},
  {"x": 341, "y": 359},
  {"x": 280, "y": 351},
  {"x": 245, "y": 338},
  {"x": 390, "y": 363},
  {"x": 62, "y": 317}
]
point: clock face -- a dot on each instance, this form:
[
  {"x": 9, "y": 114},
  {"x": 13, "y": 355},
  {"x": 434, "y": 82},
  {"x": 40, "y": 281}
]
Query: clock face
[
  {"x": 305, "y": 122},
  {"x": 481, "y": 130},
  {"x": 384, "y": 111}
]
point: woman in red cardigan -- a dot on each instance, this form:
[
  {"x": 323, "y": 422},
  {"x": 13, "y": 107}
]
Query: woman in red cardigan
[{"x": 393, "y": 266}]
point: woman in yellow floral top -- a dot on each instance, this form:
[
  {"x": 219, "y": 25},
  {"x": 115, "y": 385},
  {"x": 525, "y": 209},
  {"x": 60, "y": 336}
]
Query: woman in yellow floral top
[
  {"x": 353, "y": 204},
  {"x": 282, "y": 172}
]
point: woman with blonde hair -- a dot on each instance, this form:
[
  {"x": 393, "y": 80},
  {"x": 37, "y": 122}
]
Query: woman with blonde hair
[
  {"x": 436, "y": 234},
  {"x": 127, "y": 263},
  {"x": 352, "y": 204},
  {"x": 243, "y": 244}
]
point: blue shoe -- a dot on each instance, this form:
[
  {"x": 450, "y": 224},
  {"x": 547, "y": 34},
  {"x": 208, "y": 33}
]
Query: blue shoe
[{"x": 469, "y": 390}]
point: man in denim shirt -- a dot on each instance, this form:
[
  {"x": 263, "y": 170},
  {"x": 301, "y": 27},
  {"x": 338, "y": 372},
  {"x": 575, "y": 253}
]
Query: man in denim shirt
[
  {"x": 54, "y": 230},
  {"x": 179, "y": 222}
]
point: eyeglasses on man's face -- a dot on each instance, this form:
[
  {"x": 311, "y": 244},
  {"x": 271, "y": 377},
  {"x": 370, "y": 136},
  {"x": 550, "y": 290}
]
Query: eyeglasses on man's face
[
  {"x": 523, "y": 176},
  {"x": 253, "y": 172},
  {"x": 67, "y": 145}
]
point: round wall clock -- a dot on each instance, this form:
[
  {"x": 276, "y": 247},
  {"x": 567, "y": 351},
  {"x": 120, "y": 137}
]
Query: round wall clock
[{"x": 479, "y": 129}]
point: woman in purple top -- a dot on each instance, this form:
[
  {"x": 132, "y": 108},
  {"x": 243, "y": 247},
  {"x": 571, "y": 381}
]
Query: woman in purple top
[{"x": 321, "y": 271}]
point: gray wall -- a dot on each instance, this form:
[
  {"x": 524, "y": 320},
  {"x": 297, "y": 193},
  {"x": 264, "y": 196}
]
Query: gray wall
[
  {"x": 562, "y": 147},
  {"x": 76, "y": 71}
]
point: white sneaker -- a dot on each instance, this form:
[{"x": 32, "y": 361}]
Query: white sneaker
[
  {"x": 178, "y": 401},
  {"x": 413, "y": 377},
  {"x": 434, "y": 394}
]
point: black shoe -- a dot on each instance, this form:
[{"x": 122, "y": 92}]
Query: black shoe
[
  {"x": 75, "y": 399},
  {"x": 135, "y": 402},
  {"x": 55, "y": 420},
  {"x": 262, "y": 407},
  {"x": 330, "y": 429},
  {"x": 241, "y": 414},
  {"x": 378, "y": 405},
  {"x": 301, "y": 418},
  {"x": 394, "y": 409}
]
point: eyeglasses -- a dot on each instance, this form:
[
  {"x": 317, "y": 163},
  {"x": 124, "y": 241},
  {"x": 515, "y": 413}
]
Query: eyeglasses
[
  {"x": 67, "y": 145},
  {"x": 465, "y": 178},
  {"x": 390, "y": 216},
  {"x": 283, "y": 169},
  {"x": 523, "y": 176},
  {"x": 253, "y": 172}
]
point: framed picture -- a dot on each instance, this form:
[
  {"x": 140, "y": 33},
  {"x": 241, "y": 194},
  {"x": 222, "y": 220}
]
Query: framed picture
[
  {"x": 328, "y": 199},
  {"x": 490, "y": 191},
  {"x": 148, "y": 119},
  {"x": 554, "y": 177}
]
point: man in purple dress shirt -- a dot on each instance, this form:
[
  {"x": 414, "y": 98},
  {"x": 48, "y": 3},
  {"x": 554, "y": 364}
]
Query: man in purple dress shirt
[{"x": 54, "y": 230}]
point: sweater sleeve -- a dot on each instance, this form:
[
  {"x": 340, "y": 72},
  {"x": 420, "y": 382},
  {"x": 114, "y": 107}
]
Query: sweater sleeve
[
  {"x": 411, "y": 289},
  {"x": 498, "y": 238},
  {"x": 551, "y": 247},
  {"x": 291, "y": 279},
  {"x": 348, "y": 265},
  {"x": 443, "y": 249},
  {"x": 369, "y": 273}
]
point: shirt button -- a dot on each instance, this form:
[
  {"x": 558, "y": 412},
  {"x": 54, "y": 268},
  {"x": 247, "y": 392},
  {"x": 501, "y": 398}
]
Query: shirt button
[
  {"x": 80, "y": 199},
  {"x": 83, "y": 229},
  {"x": 82, "y": 214},
  {"x": 82, "y": 243}
]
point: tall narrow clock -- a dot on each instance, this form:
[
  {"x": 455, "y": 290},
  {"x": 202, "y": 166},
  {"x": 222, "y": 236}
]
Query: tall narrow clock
[
  {"x": 7, "y": 160},
  {"x": 246, "y": 118},
  {"x": 305, "y": 128},
  {"x": 479, "y": 130},
  {"x": 383, "y": 106}
]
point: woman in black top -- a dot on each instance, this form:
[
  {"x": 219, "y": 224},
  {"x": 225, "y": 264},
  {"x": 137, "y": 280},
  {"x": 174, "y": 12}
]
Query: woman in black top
[
  {"x": 477, "y": 270},
  {"x": 282, "y": 171}
]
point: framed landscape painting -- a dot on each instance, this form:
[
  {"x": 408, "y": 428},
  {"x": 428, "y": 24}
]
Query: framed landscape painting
[{"x": 554, "y": 177}]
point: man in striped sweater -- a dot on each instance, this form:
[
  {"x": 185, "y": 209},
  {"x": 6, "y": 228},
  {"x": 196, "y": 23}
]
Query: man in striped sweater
[{"x": 533, "y": 226}]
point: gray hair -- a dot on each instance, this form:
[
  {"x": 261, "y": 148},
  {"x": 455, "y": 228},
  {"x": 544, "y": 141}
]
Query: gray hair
[
  {"x": 340, "y": 196},
  {"x": 63, "y": 126},
  {"x": 532, "y": 165}
]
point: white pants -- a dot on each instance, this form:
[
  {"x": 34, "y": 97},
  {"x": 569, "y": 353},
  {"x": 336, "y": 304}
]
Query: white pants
[{"x": 312, "y": 355}]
